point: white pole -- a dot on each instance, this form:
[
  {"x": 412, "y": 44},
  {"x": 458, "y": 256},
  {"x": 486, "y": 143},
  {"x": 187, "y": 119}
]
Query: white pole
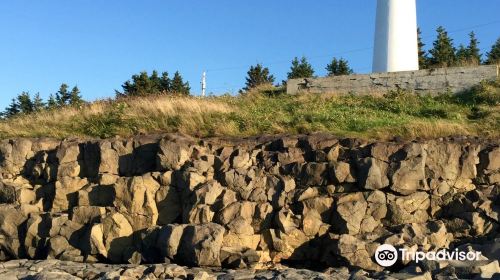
[
  {"x": 203, "y": 83},
  {"x": 396, "y": 43}
]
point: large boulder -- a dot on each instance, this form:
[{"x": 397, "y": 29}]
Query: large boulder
[
  {"x": 136, "y": 200},
  {"x": 66, "y": 193},
  {"x": 169, "y": 239},
  {"x": 111, "y": 237},
  {"x": 408, "y": 175},
  {"x": 372, "y": 174},
  {"x": 11, "y": 231},
  {"x": 172, "y": 155},
  {"x": 201, "y": 245},
  {"x": 349, "y": 214},
  {"x": 13, "y": 156},
  {"x": 168, "y": 203},
  {"x": 356, "y": 252},
  {"x": 413, "y": 208}
]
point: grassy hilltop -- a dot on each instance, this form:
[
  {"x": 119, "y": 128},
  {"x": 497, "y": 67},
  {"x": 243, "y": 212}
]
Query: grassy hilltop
[{"x": 267, "y": 111}]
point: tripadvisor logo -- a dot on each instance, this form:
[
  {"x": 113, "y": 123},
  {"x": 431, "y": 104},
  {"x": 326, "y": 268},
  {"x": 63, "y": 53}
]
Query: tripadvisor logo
[{"x": 387, "y": 255}]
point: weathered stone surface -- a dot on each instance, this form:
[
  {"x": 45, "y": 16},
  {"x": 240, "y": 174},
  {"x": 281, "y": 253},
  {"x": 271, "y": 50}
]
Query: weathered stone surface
[
  {"x": 409, "y": 174},
  {"x": 172, "y": 155},
  {"x": 136, "y": 198},
  {"x": 433, "y": 81},
  {"x": 110, "y": 237},
  {"x": 408, "y": 209},
  {"x": 200, "y": 245},
  {"x": 351, "y": 210},
  {"x": 355, "y": 251},
  {"x": 169, "y": 239},
  {"x": 66, "y": 193},
  {"x": 372, "y": 174},
  {"x": 53, "y": 269},
  {"x": 311, "y": 200}
]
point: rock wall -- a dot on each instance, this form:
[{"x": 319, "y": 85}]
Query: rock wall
[
  {"x": 240, "y": 203},
  {"x": 432, "y": 81}
]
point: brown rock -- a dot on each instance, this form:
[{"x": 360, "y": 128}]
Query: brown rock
[
  {"x": 409, "y": 174},
  {"x": 408, "y": 209},
  {"x": 66, "y": 193},
  {"x": 350, "y": 212},
  {"x": 201, "y": 245},
  {"x": 111, "y": 236},
  {"x": 168, "y": 203},
  {"x": 372, "y": 174},
  {"x": 172, "y": 155},
  {"x": 135, "y": 198}
]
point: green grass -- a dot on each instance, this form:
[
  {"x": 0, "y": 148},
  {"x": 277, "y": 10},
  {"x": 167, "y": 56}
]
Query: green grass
[{"x": 267, "y": 111}]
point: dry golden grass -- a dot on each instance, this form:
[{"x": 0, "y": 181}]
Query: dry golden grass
[
  {"x": 266, "y": 111},
  {"x": 153, "y": 111}
]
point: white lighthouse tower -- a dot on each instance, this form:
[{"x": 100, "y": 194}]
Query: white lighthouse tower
[{"x": 396, "y": 41}]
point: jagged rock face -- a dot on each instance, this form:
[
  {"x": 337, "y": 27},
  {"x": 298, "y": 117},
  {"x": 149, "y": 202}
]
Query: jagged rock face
[{"x": 242, "y": 203}]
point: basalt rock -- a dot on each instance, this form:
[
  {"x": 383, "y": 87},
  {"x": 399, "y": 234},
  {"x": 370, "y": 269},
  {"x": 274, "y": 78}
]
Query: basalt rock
[{"x": 245, "y": 203}]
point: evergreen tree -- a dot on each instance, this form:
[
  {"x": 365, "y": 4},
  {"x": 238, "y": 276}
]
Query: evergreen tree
[
  {"x": 423, "y": 59},
  {"x": 51, "y": 102},
  {"x": 443, "y": 52},
  {"x": 128, "y": 89},
  {"x": 63, "y": 95},
  {"x": 339, "y": 67},
  {"x": 178, "y": 85},
  {"x": 300, "y": 69},
  {"x": 75, "y": 99},
  {"x": 12, "y": 110},
  {"x": 473, "y": 51},
  {"x": 25, "y": 103},
  {"x": 256, "y": 76},
  {"x": 493, "y": 56},
  {"x": 165, "y": 82},
  {"x": 143, "y": 84},
  {"x": 462, "y": 55},
  {"x": 155, "y": 83},
  {"x": 38, "y": 103}
]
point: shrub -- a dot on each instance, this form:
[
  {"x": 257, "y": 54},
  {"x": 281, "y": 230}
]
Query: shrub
[
  {"x": 486, "y": 93},
  {"x": 107, "y": 124}
]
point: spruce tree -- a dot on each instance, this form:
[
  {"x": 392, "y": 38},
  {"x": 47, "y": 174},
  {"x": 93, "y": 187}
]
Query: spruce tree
[
  {"x": 462, "y": 56},
  {"x": 155, "y": 82},
  {"x": 165, "y": 82},
  {"x": 473, "y": 51},
  {"x": 178, "y": 85},
  {"x": 63, "y": 95},
  {"x": 25, "y": 103},
  {"x": 256, "y": 76},
  {"x": 339, "y": 67},
  {"x": 300, "y": 69},
  {"x": 51, "y": 102},
  {"x": 423, "y": 59},
  {"x": 493, "y": 56},
  {"x": 443, "y": 52},
  {"x": 38, "y": 103},
  {"x": 12, "y": 110},
  {"x": 143, "y": 84},
  {"x": 128, "y": 89},
  {"x": 75, "y": 99}
]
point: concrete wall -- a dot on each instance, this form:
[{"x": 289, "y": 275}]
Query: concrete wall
[{"x": 432, "y": 81}]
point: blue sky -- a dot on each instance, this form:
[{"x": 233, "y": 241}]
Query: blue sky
[{"x": 97, "y": 45}]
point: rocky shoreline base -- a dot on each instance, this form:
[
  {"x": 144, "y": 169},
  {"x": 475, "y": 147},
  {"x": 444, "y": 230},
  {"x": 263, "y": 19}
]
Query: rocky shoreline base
[
  {"x": 63, "y": 270},
  {"x": 251, "y": 205},
  {"x": 66, "y": 270}
]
